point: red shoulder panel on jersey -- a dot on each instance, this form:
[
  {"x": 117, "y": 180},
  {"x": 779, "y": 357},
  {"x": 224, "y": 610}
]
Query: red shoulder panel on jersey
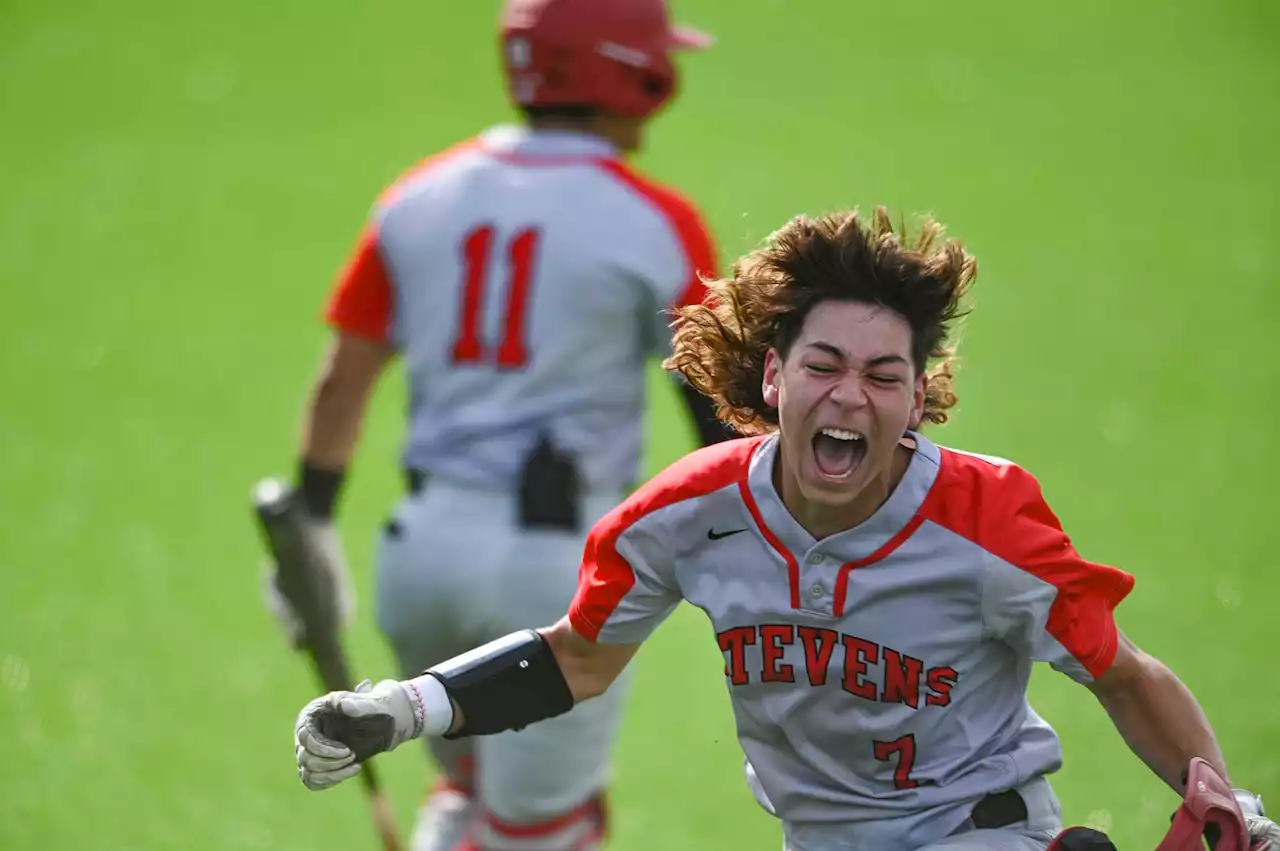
[
  {"x": 605, "y": 577},
  {"x": 1000, "y": 507},
  {"x": 361, "y": 301},
  {"x": 695, "y": 238}
]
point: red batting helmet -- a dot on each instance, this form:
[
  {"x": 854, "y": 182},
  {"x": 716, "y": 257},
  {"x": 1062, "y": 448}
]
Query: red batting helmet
[{"x": 611, "y": 54}]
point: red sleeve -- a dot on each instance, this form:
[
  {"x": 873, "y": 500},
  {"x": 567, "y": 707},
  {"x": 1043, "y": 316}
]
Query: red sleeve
[
  {"x": 604, "y": 578},
  {"x": 1081, "y": 617},
  {"x": 360, "y": 303},
  {"x": 1000, "y": 507},
  {"x": 695, "y": 237}
]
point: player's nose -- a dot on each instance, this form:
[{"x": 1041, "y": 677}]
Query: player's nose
[{"x": 850, "y": 391}]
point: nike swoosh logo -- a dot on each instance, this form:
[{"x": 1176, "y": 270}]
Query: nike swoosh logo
[{"x": 715, "y": 536}]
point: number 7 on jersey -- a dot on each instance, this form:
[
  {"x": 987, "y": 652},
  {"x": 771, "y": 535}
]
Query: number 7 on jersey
[
  {"x": 477, "y": 256},
  {"x": 903, "y": 752}
]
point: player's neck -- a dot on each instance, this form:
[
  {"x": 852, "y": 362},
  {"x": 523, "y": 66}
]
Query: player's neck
[
  {"x": 563, "y": 125},
  {"x": 619, "y": 134},
  {"x": 821, "y": 520}
]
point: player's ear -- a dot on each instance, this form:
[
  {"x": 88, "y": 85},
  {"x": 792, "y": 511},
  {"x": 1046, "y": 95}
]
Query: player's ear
[
  {"x": 917, "y": 401},
  {"x": 769, "y": 386}
]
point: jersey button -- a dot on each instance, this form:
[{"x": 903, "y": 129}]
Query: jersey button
[
  {"x": 815, "y": 558},
  {"x": 816, "y": 590}
]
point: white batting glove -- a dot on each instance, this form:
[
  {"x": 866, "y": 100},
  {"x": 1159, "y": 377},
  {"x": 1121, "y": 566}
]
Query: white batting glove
[
  {"x": 1264, "y": 834},
  {"x": 325, "y": 536},
  {"x": 337, "y": 732},
  {"x": 322, "y": 761}
]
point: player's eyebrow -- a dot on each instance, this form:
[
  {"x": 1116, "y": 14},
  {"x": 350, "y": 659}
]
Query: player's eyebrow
[
  {"x": 885, "y": 360},
  {"x": 834, "y": 351},
  {"x": 837, "y": 352}
]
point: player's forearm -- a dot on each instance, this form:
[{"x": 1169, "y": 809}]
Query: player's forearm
[
  {"x": 335, "y": 415},
  {"x": 330, "y": 432},
  {"x": 333, "y": 421},
  {"x": 514, "y": 681},
  {"x": 588, "y": 668},
  {"x": 1160, "y": 720}
]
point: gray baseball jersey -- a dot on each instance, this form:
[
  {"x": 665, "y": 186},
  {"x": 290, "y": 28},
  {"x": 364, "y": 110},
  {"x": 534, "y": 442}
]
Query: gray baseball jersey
[
  {"x": 878, "y": 676},
  {"x": 524, "y": 278}
]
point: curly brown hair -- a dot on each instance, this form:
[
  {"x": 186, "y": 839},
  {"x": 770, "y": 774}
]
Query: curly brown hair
[{"x": 720, "y": 345}]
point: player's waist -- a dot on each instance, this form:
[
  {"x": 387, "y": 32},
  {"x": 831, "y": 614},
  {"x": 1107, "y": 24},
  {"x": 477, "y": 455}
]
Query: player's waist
[
  {"x": 1031, "y": 805},
  {"x": 502, "y": 464},
  {"x": 505, "y": 484},
  {"x": 856, "y": 793},
  {"x": 539, "y": 503}
]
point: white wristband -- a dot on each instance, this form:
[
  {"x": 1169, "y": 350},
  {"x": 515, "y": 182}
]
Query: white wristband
[
  {"x": 432, "y": 706},
  {"x": 1250, "y": 804}
]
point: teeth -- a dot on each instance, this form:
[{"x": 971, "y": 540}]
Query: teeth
[{"x": 841, "y": 434}]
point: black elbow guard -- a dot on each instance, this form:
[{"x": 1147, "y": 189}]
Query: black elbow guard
[{"x": 506, "y": 684}]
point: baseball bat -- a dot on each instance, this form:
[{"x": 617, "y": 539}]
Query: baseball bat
[{"x": 309, "y": 588}]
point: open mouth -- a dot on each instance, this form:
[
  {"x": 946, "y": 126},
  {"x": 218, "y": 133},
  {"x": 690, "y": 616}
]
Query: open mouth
[{"x": 837, "y": 452}]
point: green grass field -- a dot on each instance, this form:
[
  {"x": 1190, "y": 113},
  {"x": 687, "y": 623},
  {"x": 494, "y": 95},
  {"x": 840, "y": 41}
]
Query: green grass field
[{"x": 180, "y": 182}]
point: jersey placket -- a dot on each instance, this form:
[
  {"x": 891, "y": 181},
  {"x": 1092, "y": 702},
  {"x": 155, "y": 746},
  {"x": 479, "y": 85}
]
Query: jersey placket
[
  {"x": 820, "y": 579},
  {"x": 818, "y": 575}
]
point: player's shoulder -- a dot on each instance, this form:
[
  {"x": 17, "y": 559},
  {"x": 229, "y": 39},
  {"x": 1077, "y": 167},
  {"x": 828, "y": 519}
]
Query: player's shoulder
[
  {"x": 983, "y": 471},
  {"x": 977, "y": 495},
  {"x": 662, "y": 195},
  {"x": 691, "y": 477},
  {"x": 428, "y": 167},
  {"x": 668, "y": 203}
]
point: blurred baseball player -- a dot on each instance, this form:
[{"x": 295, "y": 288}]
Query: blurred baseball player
[
  {"x": 523, "y": 278},
  {"x": 879, "y": 599}
]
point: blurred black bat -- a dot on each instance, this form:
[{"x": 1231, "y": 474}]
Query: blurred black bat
[{"x": 307, "y": 583}]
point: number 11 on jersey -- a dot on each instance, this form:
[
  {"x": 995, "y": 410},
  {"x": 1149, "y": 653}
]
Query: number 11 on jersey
[{"x": 477, "y": 254}]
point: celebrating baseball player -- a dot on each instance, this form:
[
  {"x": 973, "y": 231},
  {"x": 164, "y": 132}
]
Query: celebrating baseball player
[
  {"x": 523, "y": 278},
  {"x": 879, "y": 599}
]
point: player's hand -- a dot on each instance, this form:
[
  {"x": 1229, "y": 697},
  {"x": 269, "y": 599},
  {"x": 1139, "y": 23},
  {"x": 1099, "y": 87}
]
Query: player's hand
[
  {"x": 1264, "y": 834},
  {"x": 337, "y": 732},
  {"x": 325, "y": 538}
]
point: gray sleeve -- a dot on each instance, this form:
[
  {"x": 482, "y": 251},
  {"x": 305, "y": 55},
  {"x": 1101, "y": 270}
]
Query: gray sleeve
[{"x": 626, "y": 583}]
